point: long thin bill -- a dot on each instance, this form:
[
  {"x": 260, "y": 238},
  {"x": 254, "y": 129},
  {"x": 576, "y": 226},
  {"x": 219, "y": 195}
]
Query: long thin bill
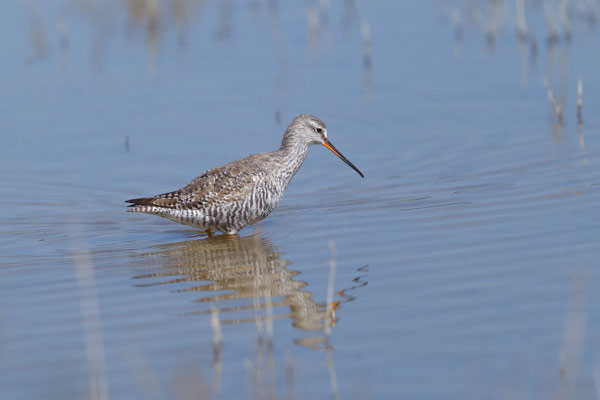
[{"x": 335, "y": 151}]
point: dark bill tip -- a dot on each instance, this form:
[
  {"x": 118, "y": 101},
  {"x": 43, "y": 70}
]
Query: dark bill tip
[{"x": 335, "y": 151}]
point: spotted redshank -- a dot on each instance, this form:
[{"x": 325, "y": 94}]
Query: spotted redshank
[{"x": 242, "y": 192}]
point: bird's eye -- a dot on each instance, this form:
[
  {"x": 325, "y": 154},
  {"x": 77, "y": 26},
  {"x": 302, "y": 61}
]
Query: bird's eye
[{"x": 319, "y": 130}]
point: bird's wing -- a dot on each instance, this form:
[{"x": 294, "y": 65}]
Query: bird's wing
[{"x": 228, "y": 183}]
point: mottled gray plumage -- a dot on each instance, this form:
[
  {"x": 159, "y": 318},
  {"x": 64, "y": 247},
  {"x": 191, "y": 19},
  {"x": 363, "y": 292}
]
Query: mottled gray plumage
[{"x": 242, "y": 192}]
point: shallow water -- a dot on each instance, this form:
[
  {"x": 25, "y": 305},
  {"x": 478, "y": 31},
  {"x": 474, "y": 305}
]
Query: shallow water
[{"x": 462, "y": 266}]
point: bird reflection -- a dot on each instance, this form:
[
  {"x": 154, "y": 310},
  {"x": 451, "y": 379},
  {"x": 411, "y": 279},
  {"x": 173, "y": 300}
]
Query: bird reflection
[{"x": 238, "y": 274}]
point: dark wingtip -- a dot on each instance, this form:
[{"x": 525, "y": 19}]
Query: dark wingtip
[{"x": 138, "y": 202}]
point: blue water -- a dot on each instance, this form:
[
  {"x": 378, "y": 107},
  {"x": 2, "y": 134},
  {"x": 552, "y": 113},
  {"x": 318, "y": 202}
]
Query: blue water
[{"x": 464, "y": 264}]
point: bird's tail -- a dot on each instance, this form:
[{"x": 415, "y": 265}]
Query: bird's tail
[{"x": 142, "y": 204}]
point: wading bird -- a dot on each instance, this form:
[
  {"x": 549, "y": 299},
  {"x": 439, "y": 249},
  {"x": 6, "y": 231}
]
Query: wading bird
[{"x": 242, "y": 192}]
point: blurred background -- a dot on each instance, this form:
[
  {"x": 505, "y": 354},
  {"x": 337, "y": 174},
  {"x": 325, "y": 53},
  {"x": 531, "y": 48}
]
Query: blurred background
[{"x": 462, "y": 266}]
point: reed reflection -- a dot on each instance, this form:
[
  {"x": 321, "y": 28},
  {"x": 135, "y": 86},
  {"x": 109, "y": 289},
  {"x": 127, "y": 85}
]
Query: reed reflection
[{"x": 241, "y": 276}]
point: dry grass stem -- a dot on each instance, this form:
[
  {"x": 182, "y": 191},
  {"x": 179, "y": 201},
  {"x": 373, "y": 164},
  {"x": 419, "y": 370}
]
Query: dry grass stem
[
  {"x": 215, "y": 323},
  {"x": 269, "y": 318},
  {"x": 555, "y": 104},
  {"x": 330, "y": 288},
  {"x": 335, "y": 393},
  {"x": 579, "y": 100},
  {"x": 91, "y": 320},
  {"x": 258, "y": 319},
  {"x": 521, "y": 21},
  {"x": 217, "y": 342},
  {"x": 570, "y": 354}
]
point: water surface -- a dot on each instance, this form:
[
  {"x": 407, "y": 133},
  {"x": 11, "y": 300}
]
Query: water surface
[{"x": 462, "y": 266}]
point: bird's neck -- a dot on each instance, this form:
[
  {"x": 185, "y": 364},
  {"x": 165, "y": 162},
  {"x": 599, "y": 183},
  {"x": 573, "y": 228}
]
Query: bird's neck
[{"x": 292, "y": 156}]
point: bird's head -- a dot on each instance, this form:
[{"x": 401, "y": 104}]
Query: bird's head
[{"x": 306, "y": 130}]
